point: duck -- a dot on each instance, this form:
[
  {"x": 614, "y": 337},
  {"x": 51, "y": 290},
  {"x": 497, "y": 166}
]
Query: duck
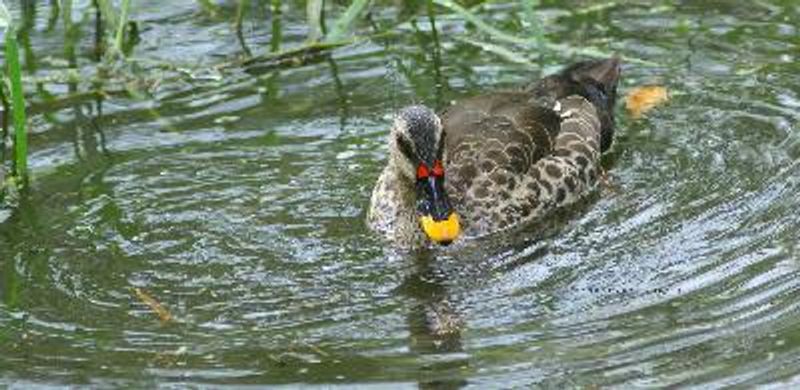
[{"x": 492, "y": 162}]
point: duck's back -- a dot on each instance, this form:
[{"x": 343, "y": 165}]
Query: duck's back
[
  {"x": 493, "y": 142},
  {"x": 491, "y": 124},
  {"x": 513, "y": 156}
]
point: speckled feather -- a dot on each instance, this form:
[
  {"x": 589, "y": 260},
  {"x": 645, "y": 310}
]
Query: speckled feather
[
  {"x": 522, "y": 161},
  {"x": 510, "y": 157}
]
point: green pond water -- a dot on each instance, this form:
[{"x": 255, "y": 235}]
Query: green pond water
[{"x": 236, "y": 198}]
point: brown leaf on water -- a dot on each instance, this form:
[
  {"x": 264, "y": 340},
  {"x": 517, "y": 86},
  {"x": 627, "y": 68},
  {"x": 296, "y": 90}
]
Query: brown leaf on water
[
  {"x": 162, "y": 313},
  {"x": 645, "y": 98}
]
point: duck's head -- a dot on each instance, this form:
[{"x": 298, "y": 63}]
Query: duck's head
[{"x": 417, "y": 151}]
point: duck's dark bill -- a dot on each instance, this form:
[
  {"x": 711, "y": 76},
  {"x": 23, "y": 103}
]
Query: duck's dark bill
[
  {"x": 442, "y": 232},
  {"x": 439, "y": 221}
]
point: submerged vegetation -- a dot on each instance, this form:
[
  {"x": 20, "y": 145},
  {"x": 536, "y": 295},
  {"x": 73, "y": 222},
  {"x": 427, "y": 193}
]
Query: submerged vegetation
[{"x": 11, "y": 88}]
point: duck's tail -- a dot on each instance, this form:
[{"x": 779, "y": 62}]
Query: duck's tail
[{"x": 596, "y": 81}]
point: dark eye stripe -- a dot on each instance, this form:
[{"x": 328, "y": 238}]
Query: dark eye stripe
[{"x": 406, "y": 148}]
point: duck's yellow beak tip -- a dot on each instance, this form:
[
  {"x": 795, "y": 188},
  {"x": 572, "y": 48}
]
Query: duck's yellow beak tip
[{"x": 442, "y": 232}]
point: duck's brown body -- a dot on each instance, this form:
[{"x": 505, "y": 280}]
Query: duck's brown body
[
  {"x": 522, "y": 161},
  {"x": 511, "y": 156}
]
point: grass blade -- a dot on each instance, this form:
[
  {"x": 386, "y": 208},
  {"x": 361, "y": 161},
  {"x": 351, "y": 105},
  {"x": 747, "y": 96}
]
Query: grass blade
[
  {"x": 514, "y": 40},
  {"x": 480, "y": 24},
  {"x": 500, "y": 51},
  {"x": 277, "y": 34},
  {"x": 121, "y": 23},
  {"x": 4, "y": 131},
  {"x": 241, "y": 9},
  {"x": 17, "y": 107},
  {"x": 108, "y": 13},
  {"x": 315, "y": 15},
  {"x": 5, "y": 17},
  {"x": 528, "y": 7},
  {"x": 345, "y": 21}
]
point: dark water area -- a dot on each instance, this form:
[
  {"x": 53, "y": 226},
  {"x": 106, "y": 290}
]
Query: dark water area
[{"x": 236, "y": 196}]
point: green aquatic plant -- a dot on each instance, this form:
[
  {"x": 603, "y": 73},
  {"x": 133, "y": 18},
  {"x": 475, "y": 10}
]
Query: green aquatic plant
[
  {"x": 119, "y": 72},
  {"x": 315, "y": 18},
  {"x": 241, "y": 9},
  {"x": 116, "y": 20},
  {"x": 17, "y": 106},
  {"x": 344, "y": 23},
  {"x": 502, "y": 38},
  {"x": 121, "y": 23},
  {"x": 4, "y": 21},
  {"x": 275, "y": 41},
  {"x": 529, "y": 16},
  {"x": 13, "y": 84},
  {"x": 320, "y": 39}
]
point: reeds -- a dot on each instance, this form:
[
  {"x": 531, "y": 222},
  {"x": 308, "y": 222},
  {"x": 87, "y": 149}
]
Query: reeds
[
  {"x": 502, "y": 39},
  {"x": 13, "y": 84},
  {"x": 116, "y": 20},
  {"x": 319, "y": 41},
  {"x": 121, "y": 23},
  {"x": 116, "y": 35},
  {"x": 315, "y": 19},
  {"x": 344, "y": 23},
  {"x": 17, "y": 106}
]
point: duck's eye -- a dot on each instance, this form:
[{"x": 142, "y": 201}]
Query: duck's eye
[
  {"x": 405, "y": 147},
  {"x": 422, "y": 172},
  {"x": 438, "y": 169}
]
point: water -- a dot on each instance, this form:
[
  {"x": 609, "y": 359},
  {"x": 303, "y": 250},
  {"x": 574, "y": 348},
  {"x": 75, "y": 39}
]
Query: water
[{"x": 236, "y": 199}]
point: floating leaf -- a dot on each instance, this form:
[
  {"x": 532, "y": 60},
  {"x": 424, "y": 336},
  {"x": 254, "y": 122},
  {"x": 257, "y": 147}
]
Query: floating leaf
[
  {"x": 645, "y": 98},
  {"x": 163, "y": 314}
]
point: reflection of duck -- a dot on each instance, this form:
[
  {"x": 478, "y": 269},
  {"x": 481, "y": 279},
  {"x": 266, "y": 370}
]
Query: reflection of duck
[
  {"x": 509, "y": 157},
  {"x": 435, "y": 323}
]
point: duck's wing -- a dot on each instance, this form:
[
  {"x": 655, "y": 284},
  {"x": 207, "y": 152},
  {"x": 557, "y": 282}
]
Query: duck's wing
[
  {"x": 491, "y": 142},
  {"x": 509, "y": 159},
  {"x": 499, "y": 130}
]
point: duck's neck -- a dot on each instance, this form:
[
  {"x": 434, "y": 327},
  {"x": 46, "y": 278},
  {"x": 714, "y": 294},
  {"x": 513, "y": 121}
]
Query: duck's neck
[{"x": 392, "y": 207}]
